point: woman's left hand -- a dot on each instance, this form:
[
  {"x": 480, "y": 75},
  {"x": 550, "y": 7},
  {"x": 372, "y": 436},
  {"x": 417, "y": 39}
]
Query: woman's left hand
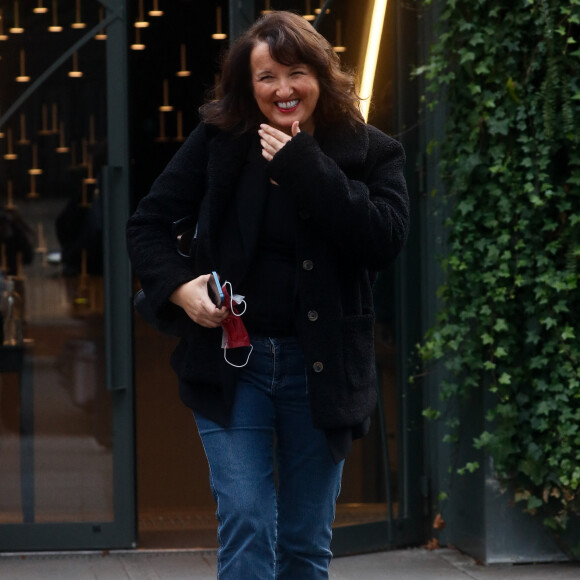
[{"x": 272, "y": 140}]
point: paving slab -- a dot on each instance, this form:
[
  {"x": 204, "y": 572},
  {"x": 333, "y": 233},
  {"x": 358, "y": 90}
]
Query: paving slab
[{"x": 409, "y": 564}]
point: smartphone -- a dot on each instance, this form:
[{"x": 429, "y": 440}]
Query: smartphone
[{"x": 214, "y": 290}]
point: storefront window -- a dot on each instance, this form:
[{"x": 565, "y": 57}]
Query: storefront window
[{"x": 55, "y": 413}]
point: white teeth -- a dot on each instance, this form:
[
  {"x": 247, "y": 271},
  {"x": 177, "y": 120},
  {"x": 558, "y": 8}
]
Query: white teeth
[{"x": 287, "y": 104}]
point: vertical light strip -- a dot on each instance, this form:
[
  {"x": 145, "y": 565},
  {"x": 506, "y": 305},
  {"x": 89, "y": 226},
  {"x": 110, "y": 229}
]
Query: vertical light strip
[{"x": 372, "y": 55}]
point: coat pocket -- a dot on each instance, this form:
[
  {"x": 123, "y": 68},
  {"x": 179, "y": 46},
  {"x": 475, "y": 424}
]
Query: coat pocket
[{"x": 358, "y": 350}]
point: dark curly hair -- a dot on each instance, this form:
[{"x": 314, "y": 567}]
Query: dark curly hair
[{"x": 291, "y": 40}]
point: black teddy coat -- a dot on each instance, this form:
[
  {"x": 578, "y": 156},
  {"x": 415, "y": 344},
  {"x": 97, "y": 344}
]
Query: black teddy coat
[{"x": 352, "y": 220}]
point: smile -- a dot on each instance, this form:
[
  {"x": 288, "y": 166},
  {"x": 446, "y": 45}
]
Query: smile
[{"x": 287, "y": 106}]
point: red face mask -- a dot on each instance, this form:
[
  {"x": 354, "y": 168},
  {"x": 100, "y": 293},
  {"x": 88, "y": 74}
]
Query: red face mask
[{"x": 234, "y": 333}]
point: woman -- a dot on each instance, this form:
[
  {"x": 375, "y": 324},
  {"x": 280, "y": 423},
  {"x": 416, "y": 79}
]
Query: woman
[{"x": 298, "y": 202}]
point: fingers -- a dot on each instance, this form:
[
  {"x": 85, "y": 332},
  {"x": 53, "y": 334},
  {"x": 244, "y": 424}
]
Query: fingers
[
  {"x": 272, "y": 140},
  {"x": 195, "y": 301}
]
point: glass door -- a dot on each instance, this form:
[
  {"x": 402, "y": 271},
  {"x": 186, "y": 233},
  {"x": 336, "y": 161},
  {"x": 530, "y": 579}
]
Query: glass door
[{"x": 66, "y": 407}]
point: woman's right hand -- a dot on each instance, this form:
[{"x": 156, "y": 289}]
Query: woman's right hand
[{"x": 194, "y": 299}]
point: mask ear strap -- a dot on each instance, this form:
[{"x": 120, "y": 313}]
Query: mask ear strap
[
  {"x": 238, "y": 366},
  {"x": 228, "y": 285}
]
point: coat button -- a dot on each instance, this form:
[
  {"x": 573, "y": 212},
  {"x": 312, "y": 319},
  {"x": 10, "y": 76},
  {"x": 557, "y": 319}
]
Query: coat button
[
  {"x": 318, "y": 366},
  {"x": 312, "y": 315},
  {"x": 307, "y": 265}
]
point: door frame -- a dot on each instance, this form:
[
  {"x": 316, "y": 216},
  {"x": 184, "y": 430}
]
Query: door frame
[{"x": 121, "y": 532}]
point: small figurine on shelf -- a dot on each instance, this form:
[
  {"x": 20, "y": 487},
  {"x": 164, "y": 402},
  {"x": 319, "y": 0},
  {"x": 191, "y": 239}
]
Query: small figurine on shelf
[{"x": 11, "y": 309}]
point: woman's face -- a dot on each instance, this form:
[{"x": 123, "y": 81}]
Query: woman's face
[{"x": 283, "y": 93}]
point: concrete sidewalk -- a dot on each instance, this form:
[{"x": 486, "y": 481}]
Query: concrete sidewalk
[{"x": 411, "y": 564}]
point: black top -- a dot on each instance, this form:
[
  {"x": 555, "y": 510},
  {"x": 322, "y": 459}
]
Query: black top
[{"x": 270, "y": 285}]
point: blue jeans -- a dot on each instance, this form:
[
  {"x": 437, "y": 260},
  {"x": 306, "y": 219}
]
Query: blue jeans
[{"x": 271, "y": 473}]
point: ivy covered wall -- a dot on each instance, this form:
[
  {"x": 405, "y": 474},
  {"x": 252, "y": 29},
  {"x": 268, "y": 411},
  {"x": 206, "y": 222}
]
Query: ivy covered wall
[{"x": 506, "y": 79}]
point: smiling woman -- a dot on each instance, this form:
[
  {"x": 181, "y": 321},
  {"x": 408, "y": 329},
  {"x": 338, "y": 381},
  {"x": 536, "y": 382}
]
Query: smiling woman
[
  {"x": 300, "y": 247},
  {"x": 284, "y": 94}
]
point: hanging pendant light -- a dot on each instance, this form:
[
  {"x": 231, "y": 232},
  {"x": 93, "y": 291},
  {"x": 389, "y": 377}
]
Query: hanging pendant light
[
  {"x": 89, "y": 179},
  {"x": 2, "y": 35},
  {"x": 9, "y": 155},
  {"x": 308, "y": 14},
  {"x": 267, "y": 7},
  {"x": 161, "y": 138},
  {"x": 54, "y": 129},
  {"x": 23, "y": 139},
  {"x": 84, "y": 153},
  {"x": 155, "y": 11},
  {"x": 44, "y": 129},
  {"x": 62, "y": 148},
  {"x": 73, "y": 155},
  {"x": 141, "y": 22},
  {"x": 78, "y": 23},
  {"x": 183, "y": 72},
  {"x": 179, "y": 137},
  {"x": 319, "y": 10},
  {"x": 166, "y": 107},
  {"x": 32, "y": 194},
  {"x": 41, "y": 248},
  {"x": 16, "y": 29},
  {"x": 22, "y": 77},
  {"x": 40, "y": 9},
  {"x": 92, "y": 137},
  {"x": 339, "y": 46},
  {"x": 9, "y": 195},
  {"x": 101, "y": 35},
  {"x": 137, "y": 45},
  {"x": 35, "y": 170},
  {"x": 55, "y": 26},
  {"x": 75, "y": 73},
  {"x": 218, "y": 34},
  {"x": 84, "y": 196}
]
